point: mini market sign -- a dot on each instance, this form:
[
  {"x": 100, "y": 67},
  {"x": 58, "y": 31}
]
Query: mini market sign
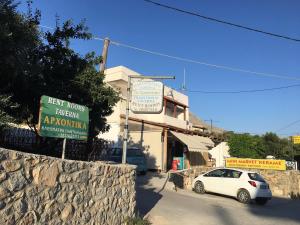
[
  {"x": 296, "y": 139},
  {"x": 269, "y": 164},
  {"x": 62, "y": 119}
]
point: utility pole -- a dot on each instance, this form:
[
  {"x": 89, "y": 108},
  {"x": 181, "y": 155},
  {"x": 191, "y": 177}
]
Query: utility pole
[
  {"x": 183, "y": 86},
  {"x": 104, "y": 55},
  {"x": 211, "y": 124}
]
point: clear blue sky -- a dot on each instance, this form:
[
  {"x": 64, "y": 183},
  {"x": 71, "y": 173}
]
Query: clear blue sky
[{"x": 140, "y": 24}]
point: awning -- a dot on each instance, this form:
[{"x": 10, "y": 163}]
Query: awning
[{"x": 194, "y": 142}]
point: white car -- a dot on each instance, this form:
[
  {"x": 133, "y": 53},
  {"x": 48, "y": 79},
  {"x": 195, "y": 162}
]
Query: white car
[{"x": 241, "y": 184}]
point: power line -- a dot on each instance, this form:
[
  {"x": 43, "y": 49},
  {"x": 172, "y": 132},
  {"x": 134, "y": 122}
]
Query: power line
[
  {"x": 289, "y": 134},
  {"x": 222, "y": 21},
  {"x": 287, "y": 126},
  {"x": 278, "y": 76},
  {"x": 234, "y": 69},
  {"x": 244, "y": 91}
]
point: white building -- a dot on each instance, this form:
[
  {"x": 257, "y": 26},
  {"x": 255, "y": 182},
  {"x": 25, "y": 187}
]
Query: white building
[
  {"x": 162, "y": 136},
  {"x": 220, "y": 153}
]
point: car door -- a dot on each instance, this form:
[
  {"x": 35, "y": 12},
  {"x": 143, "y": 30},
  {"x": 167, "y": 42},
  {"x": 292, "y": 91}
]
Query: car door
[
  {"x": 213, "y": 180},
  {"x": 231, "y": 182},
  {"x": 116, "y": 155}
]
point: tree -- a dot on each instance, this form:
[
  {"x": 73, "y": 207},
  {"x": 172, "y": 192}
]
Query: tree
[
  {"x": 95, "y": 94},
  {"x": 18, "y": 41},
  {"x": 5, "y": 106},
  {"x": 249, "y": 146},
  {"x": 33, "y": 64},
  {"x": 281, "y": 148},
  {"x": 272, "y": 144},
  {"x": 246, "y": 146}
]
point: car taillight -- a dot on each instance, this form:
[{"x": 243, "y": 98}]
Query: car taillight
[{"x": 252, "y": 183}]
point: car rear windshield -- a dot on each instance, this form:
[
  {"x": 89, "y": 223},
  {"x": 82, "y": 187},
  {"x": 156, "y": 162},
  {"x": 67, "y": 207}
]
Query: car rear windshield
[
  {"x": 256, "y": 176},
  {"x": 130, "y": 152},
  {"x": 134, "y": 152}
]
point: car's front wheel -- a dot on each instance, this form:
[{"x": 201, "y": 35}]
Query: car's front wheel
[
  {"x": 243, "y": 196},
  {"x": 261, "y": 201},
  {"x": 199, "y": 187}
]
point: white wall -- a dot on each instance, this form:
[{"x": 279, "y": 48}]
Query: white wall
[
  {"x": 152, "y": 145},
  {"x": 113, "y": 134},
  {"x": 219, "y": 153},
  {"x": 113, "y": 121}
]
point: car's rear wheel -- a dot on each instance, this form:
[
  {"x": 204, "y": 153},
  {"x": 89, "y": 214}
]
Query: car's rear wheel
[
  {"x": 243, "y": 196},
  {"x": 199, "y": 187},
  {"x": 261, "y": 201}
]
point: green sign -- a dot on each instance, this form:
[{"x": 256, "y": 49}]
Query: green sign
[{"x": 62, "y": 119}]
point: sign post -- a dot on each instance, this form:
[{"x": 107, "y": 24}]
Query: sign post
[
  {"x": 62, "y": 119},
  {"x": 64, "y": 149},
  {"x": 146, "y": 99}
]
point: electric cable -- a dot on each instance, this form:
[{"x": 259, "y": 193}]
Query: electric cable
[
  {"x": 235, "y": 69},
  {"x": 222, "y": 21},
  {"x": 287, "y": 126},
  {"x": 244, "y": 91}
]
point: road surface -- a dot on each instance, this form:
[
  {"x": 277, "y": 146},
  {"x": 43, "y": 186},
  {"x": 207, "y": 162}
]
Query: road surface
[{"x": 164, "y": 206}]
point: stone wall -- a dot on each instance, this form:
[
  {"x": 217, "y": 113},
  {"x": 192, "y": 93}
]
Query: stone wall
[
  {"x": 37, "y": 189},
  {"x": 282, "y": 183}
]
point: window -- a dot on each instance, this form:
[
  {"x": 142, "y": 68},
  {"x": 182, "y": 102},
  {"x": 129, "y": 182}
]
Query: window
[
  {"x": 117, "y": 152},
  {"x": 180, "y": 112},
  {"x": 232, "y": 174},
  {"x": 215, "y": 173},
  {"x": 174, "y": 109},
  {"x": 170, "y": 109},
  {"x": 134, "y": 152},
  {"x": 257, "y": 177}
]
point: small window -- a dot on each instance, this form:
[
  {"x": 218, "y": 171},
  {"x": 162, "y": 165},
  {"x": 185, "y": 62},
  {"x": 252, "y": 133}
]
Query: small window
[
  {"x": 233, "y": 174},
  {"x": 215, "y": 173},
  {"x": 117, "y": 152},
  {"x": 257, "y": 177},
  {"x": 134, "y": 152}
]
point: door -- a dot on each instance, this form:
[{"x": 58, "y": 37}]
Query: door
[
  {"x": 231, "y": 182},
  {"x": 213, "y": 181}
]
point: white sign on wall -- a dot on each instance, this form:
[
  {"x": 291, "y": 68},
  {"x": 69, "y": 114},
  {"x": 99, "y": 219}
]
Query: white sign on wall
[{"x": 147, "y": 96}]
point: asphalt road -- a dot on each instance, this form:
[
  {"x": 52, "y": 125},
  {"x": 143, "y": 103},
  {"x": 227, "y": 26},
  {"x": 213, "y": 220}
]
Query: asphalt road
[{"x": 164, "y": 206}]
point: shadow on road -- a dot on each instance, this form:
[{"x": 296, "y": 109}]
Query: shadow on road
[
  {"x": 224, "y": 216},
  {"x": 147, "y": 194},
  {"x": 277, "y": 209},
  {"x": 281, "y": 208}
]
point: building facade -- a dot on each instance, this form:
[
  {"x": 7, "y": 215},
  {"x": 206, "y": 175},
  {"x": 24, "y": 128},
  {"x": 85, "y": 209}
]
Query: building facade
[
  {"x": 161, "y": 136},
  {"x": 219, "y": 154}
]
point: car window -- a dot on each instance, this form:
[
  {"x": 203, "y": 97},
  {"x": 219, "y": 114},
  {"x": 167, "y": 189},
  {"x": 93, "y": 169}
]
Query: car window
[
  {"x": 232, "y": 174},
  {"x": 215, "y": 173},
  {"x": 117, "y": 152},
  {"x": 134, "y": 152},
  {"x": 256, "y": 176},
  {"x": 130, "y": 152}
]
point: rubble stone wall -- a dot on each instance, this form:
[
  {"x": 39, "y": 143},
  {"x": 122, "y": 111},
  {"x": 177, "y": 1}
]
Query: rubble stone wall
[
  {"x": 282, "y": 183},
  {"x": 37, "y": 189}
]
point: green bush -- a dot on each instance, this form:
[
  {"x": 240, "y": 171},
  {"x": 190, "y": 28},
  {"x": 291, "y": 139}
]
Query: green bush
[{"x": 137, "y": 221}]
